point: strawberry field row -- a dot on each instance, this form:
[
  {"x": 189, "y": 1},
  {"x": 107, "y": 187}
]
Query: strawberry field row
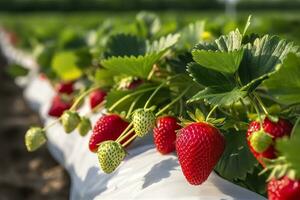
[{"x": 224, "y": 102}]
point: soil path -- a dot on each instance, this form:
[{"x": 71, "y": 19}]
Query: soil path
[{"x": 24, "y": 175}]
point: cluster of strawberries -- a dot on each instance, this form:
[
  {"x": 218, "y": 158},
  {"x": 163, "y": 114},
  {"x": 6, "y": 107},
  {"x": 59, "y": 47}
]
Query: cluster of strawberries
[
  {"x": 199, "y": 144},
  {"x": 64, "y": 99},
  {"x": 261, "y": 142}
]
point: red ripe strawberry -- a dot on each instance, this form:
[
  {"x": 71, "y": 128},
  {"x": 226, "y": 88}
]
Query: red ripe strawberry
[
  {"x": 165, "y": 135},
  {"x": 199, "y": 147},
  {"x": 284, "y": 189},
  {"x": 275, "y": 129},
  {"x": 58, "y": 106},
  {"x": 65, "y": 88},
  {"x": 134, "y": 84},
  {"x": 96, "y": 97},
  {"x": 108, "y": 127},
  {"x": 129, "y": 83}
]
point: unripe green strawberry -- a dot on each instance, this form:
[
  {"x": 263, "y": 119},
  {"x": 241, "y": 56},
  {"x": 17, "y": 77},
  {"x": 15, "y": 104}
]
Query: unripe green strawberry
[
  {"x": 143, "y": 121},
  {"x": 110, "y": 155},
  {"x": 35, "y": 137},
  {"x": 70, "y": 121},
  {"x": 84, "y": 126},
  {"x": 260, "y": 141}
]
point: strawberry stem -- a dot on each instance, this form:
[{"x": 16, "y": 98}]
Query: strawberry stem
[
  {"x": 154, "y": 93},
  {"x": 157, "y": 89},
  {"x": 51, "y": 124},
  {"x": 128, "y": 96},
  {"x": 132, "y": 106},
  {"x": 244, "y": 105},
  {"x": 257, "y": 111},
  {"x": 129, "y": 140},
  {"x": 210, "y": 112},
  {"x": 127, "y": 129},
  {"x": 174, "y": 101},
  {"x": 261, "y": 103},
  {"x": 78, "y": 100},
  {"x": 124, "y": 135},
  {"x": 295, "y": 127},
  {"x": 151, "y": 72}
]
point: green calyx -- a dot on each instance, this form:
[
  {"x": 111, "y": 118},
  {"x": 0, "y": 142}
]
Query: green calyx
[
  {"x": 35, "y": 137},
  {"x": 110, "y": 155},
  {"x": 143, "y": 121},
  {"x": 84, "y": 126},
  {"x": 260, "y": 141},
  {"x": 70, "y": 121}
]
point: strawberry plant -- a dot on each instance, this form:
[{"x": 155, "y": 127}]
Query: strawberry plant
[{"x": 243, "y": 88}]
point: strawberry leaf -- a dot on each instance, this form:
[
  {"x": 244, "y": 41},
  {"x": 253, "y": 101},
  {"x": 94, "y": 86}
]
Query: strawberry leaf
[
  {"x": 226, "y": 43},
  {"x": 125, "y": 45},
  {"x": 218, "y": 97},
  {"x": 65, "y": 64},
  {"x": 132, "y": 66},
  {"x": 261, "y": 57},
  {"x": 237, "y": 161},
  {"x": 226, "y": 62},
  {"x": 210, "y": 78},
  {"x": 140, "y": 65},
  {"x": 284, "y": 85},
  {"x": 163, "y": 44}
]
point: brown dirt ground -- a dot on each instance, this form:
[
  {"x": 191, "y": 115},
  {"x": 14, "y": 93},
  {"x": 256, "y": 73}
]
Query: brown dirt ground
[{"x": 24, "y": 175}]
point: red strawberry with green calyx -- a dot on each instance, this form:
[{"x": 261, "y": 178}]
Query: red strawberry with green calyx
[
  {"x": 65, "y": 87},
  {"x": 97, "y": 97},
  {"x": 284, "y": 189},
  {"x": 274, "y": 130},
  {"x": 165, "y": 134},
  {"x": 199, "y": 147},
  {"x": 58, "y": 106},
  {"x": 129, "y": 83},
  {"x": 108, "y": 127}
]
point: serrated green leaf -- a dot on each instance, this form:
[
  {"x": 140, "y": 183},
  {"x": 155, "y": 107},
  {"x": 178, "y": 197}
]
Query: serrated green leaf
[
  {"x": 132, "y": 66},
  {"x": 65, "y": 64},
  {"x": 261, "y": 58},
  {"x": 125, "y": 45},
  {"x": 217, "y": 97},
  {"x": 226, "y": 62},
  {"x": 284, "y": 85},
  {"x": 237, "y": 160},
  {"x": 210, "y": 78},
  {"x": 161, "y": 45},
  {"x": 141, "y": 65},
  {"x": 230, "y": 42},
  {"x": 226, "y": 43}
]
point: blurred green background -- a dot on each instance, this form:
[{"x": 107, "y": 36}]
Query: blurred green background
[{"x": 78, "y": 5}]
